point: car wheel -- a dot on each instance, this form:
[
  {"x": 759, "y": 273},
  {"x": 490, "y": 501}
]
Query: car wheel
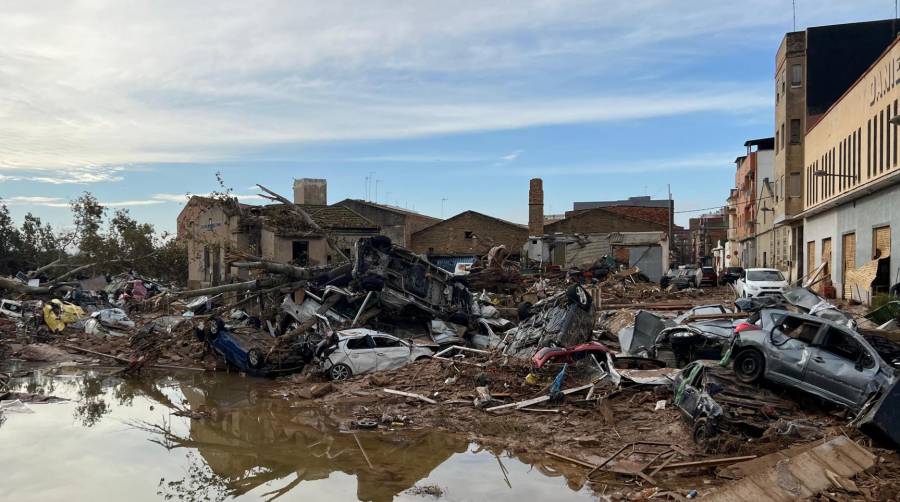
[
  {"x": 339, "y": 372},
  {"x": 255, "y": 358},
  {"x": 578, "y": 295},
  {"x": 749, "y": 365},
  {"x": 704, "y": 435}
]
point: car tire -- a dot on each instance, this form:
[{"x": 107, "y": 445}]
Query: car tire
[
  {"x": 749, "y": 365},
  {"x": 704, "y": 435},
  {"x": 339, "y": 372},
  {"x": 255, "y": 358},
  {"x": 579, "y": 296}
]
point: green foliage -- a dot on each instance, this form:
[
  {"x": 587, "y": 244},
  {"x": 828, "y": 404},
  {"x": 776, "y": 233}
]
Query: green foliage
[
  {"x": 34, "y": 244},
  {"x": 881, "y": 299}
]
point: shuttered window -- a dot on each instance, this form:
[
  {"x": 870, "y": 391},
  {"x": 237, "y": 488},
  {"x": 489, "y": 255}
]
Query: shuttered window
[
  {"x": 848, "y": 253},
  {"x": 881, "y": 241}
]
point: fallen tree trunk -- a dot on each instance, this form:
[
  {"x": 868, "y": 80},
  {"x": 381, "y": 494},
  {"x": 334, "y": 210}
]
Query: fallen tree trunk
[
  {"x": 18, "y": 287},
  {"x": 291, "y": 271},
  {"x": 237, "y": 286}
]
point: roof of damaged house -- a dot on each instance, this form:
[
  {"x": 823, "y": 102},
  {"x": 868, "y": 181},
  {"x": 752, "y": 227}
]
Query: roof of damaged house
[
  {"x": 469, "y": 232},
  {"x": 281, "y": 218},
  {"x": 602, "y": 220},
  {"x": 389, "y": 208}
]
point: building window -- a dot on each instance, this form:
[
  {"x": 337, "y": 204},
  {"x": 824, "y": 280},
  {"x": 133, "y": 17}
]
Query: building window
[
  {"x": 795, "y": 131},
  {"x": 782, "y": 136},
  {"x": 869, "y": 150},
  {"x": 469, "y": 234},
  {"x": 796, "y": 75},
  {"x": 430, "y": 251},
  {"x": 777, "y": 141},
  {"x": 300, "y": 253}
]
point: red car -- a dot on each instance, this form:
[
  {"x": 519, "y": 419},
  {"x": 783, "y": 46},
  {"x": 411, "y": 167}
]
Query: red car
[
  {"x": 708, "y": 276},
  {"x": 571, "y": 354}
]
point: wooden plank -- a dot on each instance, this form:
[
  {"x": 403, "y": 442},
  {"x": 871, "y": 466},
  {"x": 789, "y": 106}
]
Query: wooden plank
[
  {"x": 529, "y": 402},
  {"x": 411, "y": 394}
]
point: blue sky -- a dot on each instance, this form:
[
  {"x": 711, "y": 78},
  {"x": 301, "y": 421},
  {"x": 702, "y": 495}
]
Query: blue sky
[{"x": 141, "y": 103}]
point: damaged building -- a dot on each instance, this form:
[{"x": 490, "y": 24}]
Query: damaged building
[
  {"x": 397, "y": 223},
  {"x": 632, "y": 235},
  {"x": 214, "y": 227},
  {"x": 466, "y": 237}
]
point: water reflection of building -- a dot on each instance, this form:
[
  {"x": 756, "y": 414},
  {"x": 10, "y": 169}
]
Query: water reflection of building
[{"x": 250, "y": 442}]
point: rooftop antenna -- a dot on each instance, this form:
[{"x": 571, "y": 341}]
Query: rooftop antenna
[
  {"x": 376, "y": 190},
  {"x": 443, "y": 200},
  {"x": 794, "y": 6}
]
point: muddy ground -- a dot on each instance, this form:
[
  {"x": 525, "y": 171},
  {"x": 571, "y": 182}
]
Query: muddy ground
[{"x": 589, "y": 431}]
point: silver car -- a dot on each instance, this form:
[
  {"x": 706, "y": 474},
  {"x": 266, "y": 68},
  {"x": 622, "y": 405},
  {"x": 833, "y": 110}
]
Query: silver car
[
  {"x": 812, "y": 354},
  {"x": 362, "y": 350}
]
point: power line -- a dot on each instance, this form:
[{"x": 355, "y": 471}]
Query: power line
[{"x": 720, "y": 207}]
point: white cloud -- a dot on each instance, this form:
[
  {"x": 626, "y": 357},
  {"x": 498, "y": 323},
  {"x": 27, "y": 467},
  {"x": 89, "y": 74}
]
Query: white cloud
[
  {"x": 88, "y": 88},
  {"x": 34, "y": 200},
  {"x": 511, "y": 156}
]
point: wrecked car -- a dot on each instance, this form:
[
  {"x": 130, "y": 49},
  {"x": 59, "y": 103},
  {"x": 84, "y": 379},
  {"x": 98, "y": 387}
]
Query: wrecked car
[
  {"x": 717, "y": 404},
  {"x": 58, "y": 314},
  {"x": 253, "y": 351},
  {"x": 812, "y": 354},
  {"x": 679, "y": 341},
  {"x": 562, "y": 320},
  {"x": 363, "y": 350},
  {"x": 407, "y": 281},
  {"x": 569, "y": 355}
]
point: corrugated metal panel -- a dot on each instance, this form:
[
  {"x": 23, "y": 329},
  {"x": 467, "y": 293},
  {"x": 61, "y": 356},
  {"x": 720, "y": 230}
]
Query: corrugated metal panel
[
  {"x": 648, "y": 259},
  {"x": 882, "y": 241},
  {"x": 848, "y": 252},
  {"x": 586, "y": 253}
]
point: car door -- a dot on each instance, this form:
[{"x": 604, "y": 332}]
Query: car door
[
  {"x": 840, "y": 367},
  {"x": 361, "y": 354},
  {"x": 788, "y": 350},
  {"x": 391, "y": 352}
]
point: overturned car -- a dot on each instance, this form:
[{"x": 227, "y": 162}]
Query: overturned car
[{"x": 562, "y": 320}]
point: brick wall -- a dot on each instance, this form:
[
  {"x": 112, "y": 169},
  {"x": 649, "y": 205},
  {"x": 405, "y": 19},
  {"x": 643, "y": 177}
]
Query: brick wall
[
  {"x": 656, "y": 214},
  {"x": 449, "y": 236},
  {"x": 605, "y": 220}
]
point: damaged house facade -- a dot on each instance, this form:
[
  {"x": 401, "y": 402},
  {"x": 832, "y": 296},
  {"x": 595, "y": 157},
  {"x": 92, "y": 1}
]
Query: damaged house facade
[
  {"x": 749, "y": 211},
  {"x": 214, "y": 227},
  {"x": 466, "y": 237},
  {"x": 397, "y": 223},
  {"x": 633, "y": 235}
]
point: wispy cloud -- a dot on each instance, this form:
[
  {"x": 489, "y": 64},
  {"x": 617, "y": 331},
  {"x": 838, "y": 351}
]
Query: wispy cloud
[
  {"x": 511, "y": 156},
  {"x": 155, "y": 199},
  {"x": 700, "y": 161},
  {"x": 82, "y": 97}
]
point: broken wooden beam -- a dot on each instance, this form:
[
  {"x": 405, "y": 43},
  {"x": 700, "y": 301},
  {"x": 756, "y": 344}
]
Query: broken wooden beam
[
  {"x": 529, "y": 402},
  {"x": 411, "y": 394}
]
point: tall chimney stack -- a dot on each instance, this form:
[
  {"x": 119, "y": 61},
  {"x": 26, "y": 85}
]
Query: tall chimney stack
[
  {"x": 311, "y": 191},
  {"x": 536, "y": 207}
]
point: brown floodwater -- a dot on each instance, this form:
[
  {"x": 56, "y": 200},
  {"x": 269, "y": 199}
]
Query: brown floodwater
[{"x": 118, "y": 439}]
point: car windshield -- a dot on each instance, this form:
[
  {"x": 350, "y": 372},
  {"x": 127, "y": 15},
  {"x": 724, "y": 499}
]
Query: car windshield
[
  {"x": 764, "y": 275},
  {"x": 708, "y": 270},
  {"x": 734, "y": 270}
]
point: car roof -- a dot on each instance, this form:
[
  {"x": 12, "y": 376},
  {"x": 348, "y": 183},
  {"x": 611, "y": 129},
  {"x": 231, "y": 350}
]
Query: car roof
[
  {"x": 763, "y": 270},
  {"x": 346, "y": 334},
  {"x": 806, "y": 317}
]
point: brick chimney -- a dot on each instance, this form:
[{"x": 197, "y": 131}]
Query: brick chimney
[
  {"x": 536, "y": 207},
  {"x": 311, "y": 191}
]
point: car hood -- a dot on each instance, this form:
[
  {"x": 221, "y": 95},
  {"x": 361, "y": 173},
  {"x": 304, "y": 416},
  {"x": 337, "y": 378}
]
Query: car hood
[{"x": 767, "y": 284}]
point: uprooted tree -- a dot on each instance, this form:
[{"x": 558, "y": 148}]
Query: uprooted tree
[{"x": 96, "y": 244}]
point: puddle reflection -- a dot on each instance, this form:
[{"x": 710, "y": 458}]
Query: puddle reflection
[{"x": 252, "y": 447}]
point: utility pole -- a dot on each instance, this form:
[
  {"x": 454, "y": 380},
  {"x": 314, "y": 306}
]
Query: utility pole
[
  {"x": 443, "y": 200},
  {"x": 671, "y": 216}
]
